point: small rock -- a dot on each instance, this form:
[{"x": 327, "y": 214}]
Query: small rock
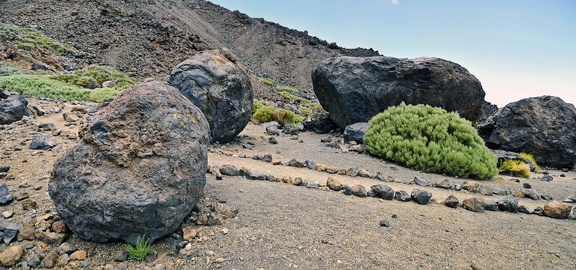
[
  {"x": 470, "y": 186},
  {"x": 525, "y": 209},
  {"x": 50, "y": 259},
  {"x": 421, "y": 196},
  {"x": 530, "y": 193},
  {"x": 352, "y": 172},
  {"x": 296, "y": 163},
  {"x": 27, "y": 233},
  {"x": 121, "y": 256},
  {"x": 272, "y": 130},
  {"x": 59, "y": 227},
  {"x": 347, "y": 190},
  {"x": 485, "y": 190},
  {"x": 402, "y": 196},
  {"x": 526, "y": 185},
  {"x": 547, "y": 178},
  {"x": 508, "y": 204},
  {"x": 7, "y": 214},
  {"x": 247, "y": 146},
  {"x": 8, "y": 236},
  {"x": 556, "y": 209},
  {"x": 33, "y": 260},
  {"x": 383, "y": 191},
  {"x": 491, "y": 205},
  {"x": 4, "y": 168},
  {"x": 78, "y": 255},
  {"x": 11, "y": 255},
  {"x": 297, "y": 181},
  {"x": 273, "y": 140},
  {"x": 310, "y": 164},
  {"x": 66, "y": 248},
  {"x": 474, "y": 204},
  {"x": 229, "y": 170},
  {"x": 421, "y": 182},
  {"x": 51, "y": 238},
  {"x": 333, "y": 184},
  {"x": 445, "y": 184},
  {"x": 359, "y": 191},
  {"x": 384, "y": 223},
  {"x": 312, "y": 185},
  {"x": 5, "y": 195},
  {"x": 451, "y": 201},
  {"x": 42, "y": 143}
]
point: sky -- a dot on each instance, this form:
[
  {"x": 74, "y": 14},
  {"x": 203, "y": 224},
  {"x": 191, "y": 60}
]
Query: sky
[{"x": 516, "y": 48}]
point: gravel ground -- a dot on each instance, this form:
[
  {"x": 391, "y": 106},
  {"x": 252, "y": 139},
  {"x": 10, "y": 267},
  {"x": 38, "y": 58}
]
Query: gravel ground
[{"x": 282, "y": 226}]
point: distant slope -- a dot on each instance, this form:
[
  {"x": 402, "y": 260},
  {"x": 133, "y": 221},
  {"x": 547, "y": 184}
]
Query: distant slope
[{"x": 148, "y": 38}]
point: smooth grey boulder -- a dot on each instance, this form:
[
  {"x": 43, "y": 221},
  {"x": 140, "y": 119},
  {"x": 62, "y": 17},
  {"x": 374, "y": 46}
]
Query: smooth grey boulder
[
  {"x": 12, "y": 107},
  {"x": 139, "y": 169},
  {"x": 354, "y": 89},
  {"x": 542, "y": 126},
  {"x": 217, "y": 84}
]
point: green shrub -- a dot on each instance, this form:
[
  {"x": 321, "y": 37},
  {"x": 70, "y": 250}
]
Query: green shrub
[
  {"x": 292, "y": 97},
  {"x": 257, "y": 105},
  {"x": 287, "y": 89},
  {"x": 143, "y": 247},
  {"x": 515, "y": 167},
  {"x": 267, "y": 81},
  {"x": 43, "y": 86},
  {"x": 264, "y": 114},
  {"x": 530, "y": 158},
  {"x": 101, "y": 94},
  {"x": 431, "y": 140}
]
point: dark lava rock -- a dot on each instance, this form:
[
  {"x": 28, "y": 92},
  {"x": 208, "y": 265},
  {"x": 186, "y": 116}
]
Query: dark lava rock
[
  {"x": 491, "y": 206},
  {"x": 384, "y": 223},
  {"x": 354, "y": 89},
  {"x": 508, "y": 204},
  {"x": 139, "y": 169},
  {"x": 421, "y": 182},
  {"x": 383, "y": 191},
  {"x": 355, "y": 132},
  {"x": 451, "y": 201},
  {"x": 12, "y": 107},
  {"x": 5, "y": 195},
  {"x": 216, "y": 83},
  {"x": 42, "y": 143},
  {"x": 4, "y": 168},
  {"x": 319, "y": 123},
  {"x": 402, "y": 196},
  {"x": 421, "y": 196},
  {"x": 543, "y": 126}
]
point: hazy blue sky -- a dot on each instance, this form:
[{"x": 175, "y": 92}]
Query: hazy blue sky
[{"x": 516, "y": 48}]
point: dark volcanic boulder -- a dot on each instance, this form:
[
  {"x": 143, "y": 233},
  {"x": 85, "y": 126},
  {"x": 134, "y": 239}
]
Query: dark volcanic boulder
[
  {"x": 354, "y": 89},
  {"x": 139, "y": 169},
  {"x": 12, "y": 107},
  {"x": 216, "y": 83},
  {"x": 542, "y": 126}
]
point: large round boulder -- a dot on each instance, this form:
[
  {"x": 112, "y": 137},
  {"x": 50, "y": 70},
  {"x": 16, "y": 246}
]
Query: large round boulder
[
  {"x": 216, "y": 83},
  {"x": 354, "y": 89},
  {"x": 542, "y": 126},
  {"x": 12, "y": 107},
  {"x": 139, "y": 169}
]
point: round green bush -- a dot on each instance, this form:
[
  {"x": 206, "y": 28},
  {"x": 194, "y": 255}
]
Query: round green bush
[{"x": 431, "y": 140}]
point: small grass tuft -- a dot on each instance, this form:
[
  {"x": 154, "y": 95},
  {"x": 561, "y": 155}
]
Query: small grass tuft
[
  {"x": 143, "y": 247},
  {"x": 287, "y": 89},
  {"x": 267, "y": 81},
  {"x": 515, "y": 167},
  {"x": 530, "y": 158}
]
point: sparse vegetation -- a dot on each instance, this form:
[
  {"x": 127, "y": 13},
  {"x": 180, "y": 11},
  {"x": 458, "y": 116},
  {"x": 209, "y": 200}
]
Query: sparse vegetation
[
  {"x": 431, "y": 140},
  {"x": 8, "y": 69},
  {"x": 515, "y": 167},
  {"x": 267, "y": 81},
  {"x": 530, "y": 158},
  {"x": 292, "y": 97},
  {"x": 283, "y": 88},
  {"x": 69, "y": 86},
  {"x": 266, "y": 113},
  {"x": 29, "y": 39},
  {"x": 143, "y": 247}
]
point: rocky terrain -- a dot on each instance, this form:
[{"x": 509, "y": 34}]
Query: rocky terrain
[
  {"x": 290, "y": 216},
  {"x": 276, "y": 196}
]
